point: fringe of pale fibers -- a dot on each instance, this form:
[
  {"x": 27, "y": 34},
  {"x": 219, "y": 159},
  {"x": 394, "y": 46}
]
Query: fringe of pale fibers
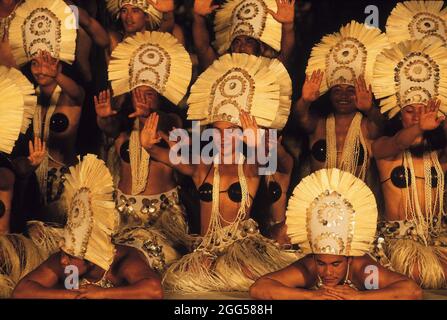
[
  {"x": 141, "y": 238},
  {"x": 406, "y": 254},
  {"x": 173, "y": 224},
  {"x": 46, "y": 237},
  {"x": 247, "y": 260},
  {"x": 193, "y": 273},
  {"x": 18, "y": 256},
  {"x": 233, "y": 269}
]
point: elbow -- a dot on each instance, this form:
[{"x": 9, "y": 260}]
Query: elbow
[
  {"x": 19, "y": 292},
  {"x": 416, "y": 292},
  {"x": 153, "y": 290},
  {"x": 256, "y": 290}
]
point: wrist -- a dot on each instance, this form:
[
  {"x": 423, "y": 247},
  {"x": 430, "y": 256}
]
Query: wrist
[
  {"x": 288, "y": 26},
  {"x": 198, "y": 16}
]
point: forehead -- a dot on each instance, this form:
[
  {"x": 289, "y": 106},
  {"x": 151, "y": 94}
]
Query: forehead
[
  {"x": 130, "y": 6},
  {"x": 245, "y": 38},
  {"x": 414, "y": 106},
  {"x": 147, "y": 89},
  {"x": 329, "y": 258},
  {"x": 343, "y": 87},
  {"x": 224, "y": 125}
]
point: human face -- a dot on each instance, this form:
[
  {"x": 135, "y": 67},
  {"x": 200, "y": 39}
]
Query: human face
[
  {"x": 133, "y": 19},
  {"x": 343, "y": 99},
  {"x": 411, "y": 114},
  {"x": 36, "y": 71},
  {"x": 332, "y": 269},
  {"x": 68, "y": 260},
  {"x": 228, "y": 137},
  {"x": 244, "y": 44},
  {"x": 151, "y": 100}
]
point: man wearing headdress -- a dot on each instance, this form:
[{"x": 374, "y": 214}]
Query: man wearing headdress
[
  {"x": 259, "y": 27},
  {"x": 103, "y": 270},
  {"x": 332, "y": 217}
]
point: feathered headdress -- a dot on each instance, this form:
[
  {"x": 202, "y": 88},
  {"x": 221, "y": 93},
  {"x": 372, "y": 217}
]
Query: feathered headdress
[
  {"x": 259, "y": 86},
  {"x": 418, "y": 20},
  {"x": 155, "y": 59},
  {"x": 412, "y": 71},
  {"x": 92, "y": 218},
  {"x": 347, "y": 54},
  {"x": 47, "y": 25},
  {"x": 249, "y": 18},
  {"x": 332, "y": 212},
  {"x": 16, "y": 106},
  {"x": 114, "y": 7}
]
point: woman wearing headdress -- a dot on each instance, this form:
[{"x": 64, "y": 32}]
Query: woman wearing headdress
[
  {"x": 342, "y": 62},
  {"x": 47, "y": 42},
  {"x": 332, "y": 216},
  {"x": 152, "y": 69},
  {"x": 229, "y": 254},
  {"x": 89, "y": 265},
  {"x": 410, "y": 80},
  {"x": 17, "y": 108},
  {"x": 259, "y": 27}
]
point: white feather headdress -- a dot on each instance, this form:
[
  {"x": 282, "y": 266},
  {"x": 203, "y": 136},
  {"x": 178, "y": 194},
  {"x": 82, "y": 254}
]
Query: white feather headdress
[
  {"x": 418, "y": 20},
  {"x": 155, "y": 59},
  {"x": 48, "y": 25},
  {"x": 332, "y": 212},
  {"x": 236, "y": 82},
  {"x": 412, "y": 71},
  {"x": 18, "y": 100},
  {"x": 347, "y": 54},
  {"x": 249, "y": 18},
  {"x": 92, "y": 218},
  {"x": 114, "y": 7}
]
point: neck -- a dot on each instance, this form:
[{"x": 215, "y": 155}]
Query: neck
[
  {"x": 48, "y": 90},
  {"x": 345, "y": 117}
]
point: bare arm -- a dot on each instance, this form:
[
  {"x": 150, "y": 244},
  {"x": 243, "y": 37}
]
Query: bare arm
[
  {"x": 391, "y": 285},
  {"x": 142, "y": 282},
  {"x": 94, "y": 29},
  {"x": 288, "y": 284},
  {"x": 201, "y": 38},
  {"x": 42, "y": 282},
  {"x": 167, "y": 8},
  {"x": 285, "y": 160},
  {"x": 310, "y": 92},
  {"x": 149, "y": 139},
  {"x": 364, "y": 102},
  {"x": 107, "y": 119},
  {"x": 286, "y": 16},
  {"x": 386, "y": 147}
]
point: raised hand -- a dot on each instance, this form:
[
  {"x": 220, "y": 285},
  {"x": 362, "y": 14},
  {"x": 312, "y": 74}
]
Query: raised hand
[
  {"x": 429, "y": 119},
  {"x": 204, "y": 7},
  {"x": 363, "y": 95},
  {"x": 252, "y": 134},
  {"x": 103, "y": 105},
  {"x": 311, "y": 87},
  {"x": 50, "y": 66},
  {"x": 140, "y": 103},
  {"x": 163, "y": 5},
  {"x": 149, "y": 135},
  {"x": 286, "y": 11},
  {"x": 37, "y": 152}
]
